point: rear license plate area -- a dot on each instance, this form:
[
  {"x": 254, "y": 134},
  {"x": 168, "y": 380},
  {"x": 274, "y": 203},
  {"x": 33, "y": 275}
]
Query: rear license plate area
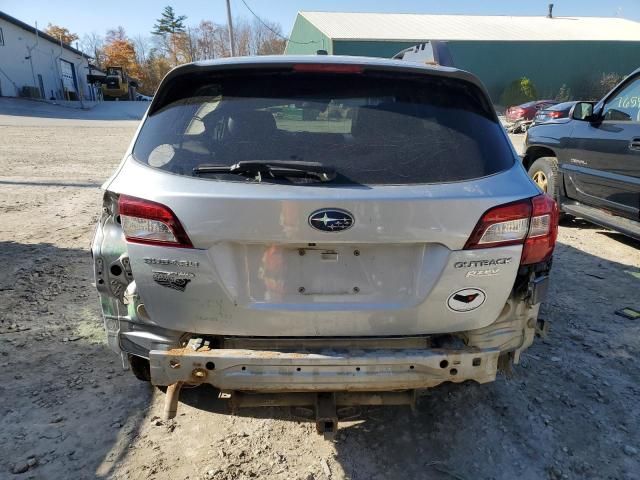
[{"x": 317, "y": 273}]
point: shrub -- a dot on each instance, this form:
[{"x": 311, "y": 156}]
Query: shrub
[
  {"x": 519, "y": 91},
  {"x": 564, "y": 94},
  {"x": 608, "y": 81},
  {"x": 597, "y": 86}
]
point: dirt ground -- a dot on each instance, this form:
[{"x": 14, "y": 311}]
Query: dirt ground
[{"x": 68, "y": 410}]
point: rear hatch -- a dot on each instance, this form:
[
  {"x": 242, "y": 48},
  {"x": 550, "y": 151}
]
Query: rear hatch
[{"x": 414, "y": 157}]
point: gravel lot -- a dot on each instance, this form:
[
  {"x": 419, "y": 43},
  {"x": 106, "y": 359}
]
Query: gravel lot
[{"x": 68, "y": 410}]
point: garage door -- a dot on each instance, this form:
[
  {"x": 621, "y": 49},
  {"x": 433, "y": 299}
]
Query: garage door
[{"x": 68, "y": 80}]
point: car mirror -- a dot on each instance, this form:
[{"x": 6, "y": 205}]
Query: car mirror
[{"x": 583, "y": 111}]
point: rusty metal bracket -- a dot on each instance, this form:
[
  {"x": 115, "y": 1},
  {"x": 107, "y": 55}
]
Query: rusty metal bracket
[
  {"x": 542, "y": 328},
  {"x": 326, "y": 415},
  {"x": 505, "y": 364},
  {"x": 171, "y": 400},
  {"x": 537, "y": 289}
]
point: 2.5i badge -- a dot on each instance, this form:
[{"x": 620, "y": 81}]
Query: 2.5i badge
[{"x": 466, "y": 299}]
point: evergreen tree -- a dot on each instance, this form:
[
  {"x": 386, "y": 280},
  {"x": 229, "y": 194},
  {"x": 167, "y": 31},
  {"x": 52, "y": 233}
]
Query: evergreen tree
[{"x": 169, "y": 23}]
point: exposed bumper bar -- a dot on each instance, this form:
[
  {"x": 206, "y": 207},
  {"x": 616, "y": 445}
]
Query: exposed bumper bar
[{"x": 328, "y": 371}]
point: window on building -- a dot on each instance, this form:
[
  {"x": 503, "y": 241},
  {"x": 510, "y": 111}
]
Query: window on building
[{"x": 1, "y": 38}]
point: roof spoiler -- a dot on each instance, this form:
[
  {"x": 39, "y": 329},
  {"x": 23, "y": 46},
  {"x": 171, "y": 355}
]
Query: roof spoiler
[{"x": 433, "y": 52}]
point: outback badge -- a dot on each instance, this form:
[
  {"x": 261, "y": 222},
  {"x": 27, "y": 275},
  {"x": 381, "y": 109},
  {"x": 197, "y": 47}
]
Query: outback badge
[{"x": 331, "y": 220}]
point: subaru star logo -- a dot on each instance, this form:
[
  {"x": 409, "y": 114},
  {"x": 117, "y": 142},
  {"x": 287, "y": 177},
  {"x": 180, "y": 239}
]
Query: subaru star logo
[{"x": 331, "y": 220}]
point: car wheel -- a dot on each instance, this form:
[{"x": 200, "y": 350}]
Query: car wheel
[
  {"x": 544, "y": 172},
  {"x": 140, "y": 368}
]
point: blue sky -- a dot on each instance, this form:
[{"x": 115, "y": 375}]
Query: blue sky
[{"x": 138, "y": 16}]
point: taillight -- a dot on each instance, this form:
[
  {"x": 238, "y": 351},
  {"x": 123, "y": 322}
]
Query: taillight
[
  {"x": 144, "y": 221},
  {"x": 554, "y": 114},
  {"x": 543, "y": 231},
  {"x": 500, "y": 226},
  {"x": 532, "y": 222}
]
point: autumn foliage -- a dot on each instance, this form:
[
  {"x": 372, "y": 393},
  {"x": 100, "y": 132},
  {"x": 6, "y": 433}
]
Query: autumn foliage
[
  {"x": 119, "y": 51},
  {"x": 61, "y": 33}
]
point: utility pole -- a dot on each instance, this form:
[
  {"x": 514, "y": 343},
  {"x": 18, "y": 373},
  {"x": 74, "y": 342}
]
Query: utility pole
[
  {"x": 79, "y": 79},
  {"x": 230, "y": 23}
]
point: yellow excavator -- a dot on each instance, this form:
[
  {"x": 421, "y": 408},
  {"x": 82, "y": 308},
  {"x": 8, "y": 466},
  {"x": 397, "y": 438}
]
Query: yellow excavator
[{"x": 117, "y": 85}]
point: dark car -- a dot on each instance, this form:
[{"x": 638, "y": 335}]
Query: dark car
[
  {"x": 561, "y": 112},
  {"x": 527, "y": 111},
  {"x": 591, "y": 163}
]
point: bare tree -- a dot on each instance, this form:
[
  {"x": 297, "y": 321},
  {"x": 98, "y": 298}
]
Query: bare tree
[
  {"x": 183, "y": 48},
  {"x": 143, "y": 46},
  {"x": 192, "y": 41},
  {"x": 266, "y": 38},
  {"x": 221, "y": 41},
  {"x": 242, "y": 36},
  {"x": 115, "y": 34},
  {"x": 205, "y": 39},
  {"x": 93, "y": 44},
  {"x": 209, "y": 40}
]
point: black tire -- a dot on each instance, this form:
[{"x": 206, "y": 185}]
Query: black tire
[{"x": 140, "y": 368}]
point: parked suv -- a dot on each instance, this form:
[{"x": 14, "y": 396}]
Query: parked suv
[
  {"x": 591, "y": 163},
  {"x": 323, "y": 232}
]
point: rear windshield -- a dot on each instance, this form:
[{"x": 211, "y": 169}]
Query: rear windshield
[{"x": 372, "y": 128}]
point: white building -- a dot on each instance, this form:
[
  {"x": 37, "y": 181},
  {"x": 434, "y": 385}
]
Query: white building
[{"x": 36, "y": 65}]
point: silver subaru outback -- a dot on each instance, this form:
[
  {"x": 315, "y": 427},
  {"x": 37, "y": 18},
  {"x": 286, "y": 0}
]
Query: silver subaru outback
[{"x": 321, "y": 232}]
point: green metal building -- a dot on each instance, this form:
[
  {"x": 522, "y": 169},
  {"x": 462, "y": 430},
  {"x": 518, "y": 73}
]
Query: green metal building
[{"x": 551, "y": 51}]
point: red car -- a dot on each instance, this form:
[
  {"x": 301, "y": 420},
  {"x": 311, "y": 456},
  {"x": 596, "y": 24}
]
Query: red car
[{"x": 527, "y": 111}]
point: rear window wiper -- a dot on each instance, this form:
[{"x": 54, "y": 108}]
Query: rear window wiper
[{"x": 271, "y": 168}]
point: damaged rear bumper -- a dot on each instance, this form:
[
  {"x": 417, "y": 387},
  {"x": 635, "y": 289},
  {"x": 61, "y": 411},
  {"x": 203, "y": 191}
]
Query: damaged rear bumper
[{"x": 322, "y": 371}]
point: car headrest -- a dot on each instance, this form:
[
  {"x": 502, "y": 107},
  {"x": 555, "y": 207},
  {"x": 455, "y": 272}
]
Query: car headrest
[
  {"x": 247, "y": 125},
  {"x": 369, "y": 122},
  {"x": 387, "y": 119}
]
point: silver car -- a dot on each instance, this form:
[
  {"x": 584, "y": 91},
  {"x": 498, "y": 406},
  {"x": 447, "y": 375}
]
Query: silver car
[{"x": 321, "y": 232}]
